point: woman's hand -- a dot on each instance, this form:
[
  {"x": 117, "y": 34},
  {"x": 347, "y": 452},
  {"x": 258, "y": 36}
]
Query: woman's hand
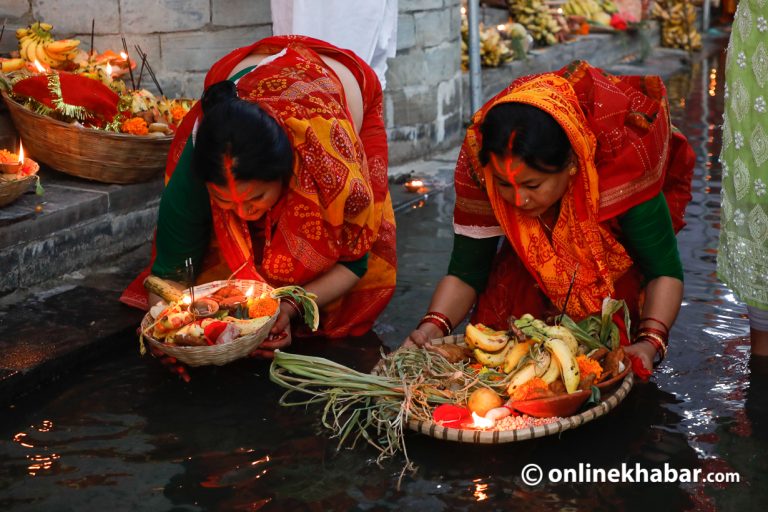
[
  {"x": 279, "y": 336},
  {"x": 422, "y": 334},
  {"x": 171, "y": 363},
  {"x": 643, "y": 350}
]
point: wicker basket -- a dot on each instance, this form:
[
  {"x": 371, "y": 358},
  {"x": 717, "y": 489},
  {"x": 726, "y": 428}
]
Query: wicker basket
[
  {"x": 215, "y": 354},
  {"x": 432, "y": 429},
  {"x": 86, "y": 153},
  {"x": 11, "y": 187}
]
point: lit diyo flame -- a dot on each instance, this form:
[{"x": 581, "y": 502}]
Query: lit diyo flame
[
  {"x": 124, "y": 56},
  {"x": 21, "y": 153},
  {"x": 249, "y": 293},
  {"x": 109, "y": 70},
  {"x": 39, "y": 66},
  {"x": 480, "y": 422},
  {"x": 186, "y": 299},
  {"x": 501, "y": 27}
]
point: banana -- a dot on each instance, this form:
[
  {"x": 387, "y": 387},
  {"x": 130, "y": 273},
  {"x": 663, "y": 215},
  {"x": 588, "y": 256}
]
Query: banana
[
  {"x": 485, "y": 338},
  {"x": 21, "y": 33},
  {"x": 491, "y": 360},
  {"x": 552, "y": 373},
  {"x": 46, "y": 59},
  {"x": 31, "y": 50},
  {"x": 569, "y": 368},
  {"x": 515, "y": 354},
  {"x": 520, "y": 377},
  {"x": 8, "y": 65},
  {"x": 563, "y": 333},
  {"x": 63, "y": 45}
]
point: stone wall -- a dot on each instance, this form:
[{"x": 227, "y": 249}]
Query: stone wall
[{"x": 184, "y": 37}]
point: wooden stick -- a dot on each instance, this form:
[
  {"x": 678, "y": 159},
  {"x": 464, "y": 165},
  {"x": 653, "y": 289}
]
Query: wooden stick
[
  {"x": 93, "y": 29},
  {"x": 128, "y": 59},
  {"x": 150, "y": 71},
  {"x": 141, "y": 72}
]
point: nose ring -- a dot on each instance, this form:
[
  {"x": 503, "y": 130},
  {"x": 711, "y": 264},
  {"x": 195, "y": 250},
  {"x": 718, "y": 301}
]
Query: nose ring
[{"x": 526, "y": 200}]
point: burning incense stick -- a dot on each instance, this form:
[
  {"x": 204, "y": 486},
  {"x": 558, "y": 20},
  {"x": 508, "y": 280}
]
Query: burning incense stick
[
  {"x": 93, "y": 30},
  {"x": 149, "y": 69}
]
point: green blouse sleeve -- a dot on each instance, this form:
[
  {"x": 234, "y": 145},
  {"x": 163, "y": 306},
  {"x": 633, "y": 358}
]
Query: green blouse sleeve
[
  {"x": 472, "y": 258},
  {"x": 650, "y": 239},
  {"x": 184, "y": 220},
  {"x": 358, "y": 267}
]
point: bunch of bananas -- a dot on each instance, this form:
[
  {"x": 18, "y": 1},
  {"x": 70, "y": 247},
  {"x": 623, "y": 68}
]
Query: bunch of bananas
[
  {"x": 534, "y": 15},
  {"x": 36, "y": 43},
  {"x": 593, "y": 10},
  {"x": 548, "y": 352},
  {"x": 678, "y": 28},
  {"x": 494, "y": 50}
]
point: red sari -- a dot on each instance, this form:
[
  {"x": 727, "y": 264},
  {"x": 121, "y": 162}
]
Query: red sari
[
  {"x": 337, "y": 206},
  {"x": 626, "y": 152}
]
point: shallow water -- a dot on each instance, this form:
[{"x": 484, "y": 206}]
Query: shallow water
[{"x": 126, "y": 435}]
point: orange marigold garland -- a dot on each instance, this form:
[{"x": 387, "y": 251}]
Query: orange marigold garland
[
  {"x": 135, "y": 126},
  {"x": 177, "y": 113}
]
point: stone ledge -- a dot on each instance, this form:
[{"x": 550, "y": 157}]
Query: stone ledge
[
  {"x": 600, "y": 50},
  {"x": 81, "y": 222}
]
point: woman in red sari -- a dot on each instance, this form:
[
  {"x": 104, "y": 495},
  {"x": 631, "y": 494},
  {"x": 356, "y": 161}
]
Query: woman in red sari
[
  {"x": 280, "y": 174},
  {"x": 581, "y": 174}
]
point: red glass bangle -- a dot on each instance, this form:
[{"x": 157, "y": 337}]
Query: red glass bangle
[
  {"x": 658, "y": 332},
  {"x": 437, "y": 322},
  {"x": 441, "y": 317},
  {"x": 665, "y": 326}
]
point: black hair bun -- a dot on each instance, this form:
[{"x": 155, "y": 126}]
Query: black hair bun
[{"x": 220, "y": 92}]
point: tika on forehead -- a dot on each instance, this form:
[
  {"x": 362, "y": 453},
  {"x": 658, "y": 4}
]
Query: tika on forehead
[
  {"x": 235, "y": 196},
  {"x": 509, "y": 169}
]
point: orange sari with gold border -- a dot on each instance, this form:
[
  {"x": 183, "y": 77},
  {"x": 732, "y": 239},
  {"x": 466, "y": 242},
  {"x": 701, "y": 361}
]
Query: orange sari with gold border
[
  {"x": 626, "y": 153},
  {"x": 337, "y": 206}
]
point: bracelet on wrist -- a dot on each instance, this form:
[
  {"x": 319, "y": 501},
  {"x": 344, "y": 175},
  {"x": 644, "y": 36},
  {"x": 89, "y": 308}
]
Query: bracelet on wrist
[
  {"x": 438, "y": 319},
  {"x": 295, "y": 307}
]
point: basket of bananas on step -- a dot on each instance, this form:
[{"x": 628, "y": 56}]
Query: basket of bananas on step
[
  {"x": 217, "y": 322},
  {"x": 76, "y": 115}
]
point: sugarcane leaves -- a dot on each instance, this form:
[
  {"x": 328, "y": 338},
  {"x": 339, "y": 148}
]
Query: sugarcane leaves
[{"x": 595, "y": 331}]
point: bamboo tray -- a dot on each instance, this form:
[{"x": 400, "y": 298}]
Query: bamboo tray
[
  {"x": 216, "y": 354},
  {"x": 96, "y": 155},
  {"x": 474, "y": 436}
]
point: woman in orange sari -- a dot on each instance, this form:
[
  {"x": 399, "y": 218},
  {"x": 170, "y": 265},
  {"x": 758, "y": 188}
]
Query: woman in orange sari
[
  {"x": 582, "y": 175},
  {"x": 279, "y": 174}
]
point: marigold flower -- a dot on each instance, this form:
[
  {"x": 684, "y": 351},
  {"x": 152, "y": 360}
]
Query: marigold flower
[
  {"x": 531, "y": 390},
  {"x": 588, "y": 365},
  {"x": 177, "y": 113},
  {"x": 135, "y": 126}
]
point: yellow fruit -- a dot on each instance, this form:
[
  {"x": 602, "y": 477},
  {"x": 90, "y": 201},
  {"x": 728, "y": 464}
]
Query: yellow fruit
[
  {"x": 563, "y": 333},
  {"x": 486, "y": 338},
  {"x": 8, "y": 65},
  {"x": 516, "y": 354},
  {"x": 491, "y": 360},
  {"x": 520, "y": 377},
  {"x": 30, "y": 52},
  {"x": 569, "y": 367},
  {"x": 483, "y": 400},
  {"x": 63, "y": 45}
]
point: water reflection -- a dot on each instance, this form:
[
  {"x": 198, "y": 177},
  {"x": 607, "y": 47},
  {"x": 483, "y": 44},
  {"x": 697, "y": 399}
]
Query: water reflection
[{"x": 127, "y": 433}]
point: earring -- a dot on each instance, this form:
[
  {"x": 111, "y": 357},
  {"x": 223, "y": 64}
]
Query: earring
[{"x": 573, "y": 170}]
